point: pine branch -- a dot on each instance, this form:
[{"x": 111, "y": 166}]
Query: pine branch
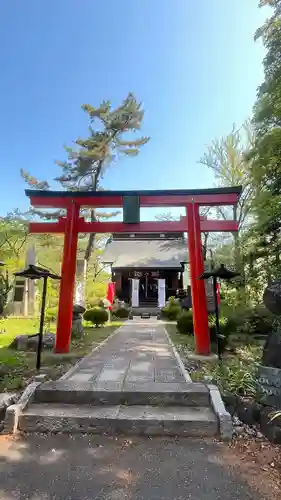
[{"x": 33, "y": 182}]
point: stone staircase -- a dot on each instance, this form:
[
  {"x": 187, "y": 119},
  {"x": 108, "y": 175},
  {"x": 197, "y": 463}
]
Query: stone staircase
[
  {"x": 71, "y": 407},
  {"x": 134, "y": 383},
  {"x": 147, "y": 306}
]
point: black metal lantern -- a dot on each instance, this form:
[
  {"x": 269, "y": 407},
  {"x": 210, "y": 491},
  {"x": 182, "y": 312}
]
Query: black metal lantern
[
  {"x": 221, "y": 273},
  {"x": 35, "y": 273}
]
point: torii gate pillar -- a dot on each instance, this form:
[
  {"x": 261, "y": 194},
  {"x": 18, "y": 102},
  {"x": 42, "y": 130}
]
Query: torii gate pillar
[
  {"x": 198, "y": 292},
  {"x": 64, "y": 323}
]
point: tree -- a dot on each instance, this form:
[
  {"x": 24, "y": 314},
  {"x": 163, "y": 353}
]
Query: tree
[
  {"x": 88, "y": 160},
  {"x": 227, "y": 158},
  {"x": 265, "y": 155},
  {"x": 205, "y": 237},
  {"x": 13, "y": 236}
]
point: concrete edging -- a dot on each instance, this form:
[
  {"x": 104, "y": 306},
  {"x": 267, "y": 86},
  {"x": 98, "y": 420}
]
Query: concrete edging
[
  {"x": 74, "y": 368},
  {"x": 13, "y": 411},
  {"x": 178, "y": 358},
  {"x": 225, "y": 420}
]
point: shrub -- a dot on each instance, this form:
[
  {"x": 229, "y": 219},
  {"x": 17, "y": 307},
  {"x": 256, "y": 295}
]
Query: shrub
[
  {"x": 171, "y": 312},
  {"x": 185, "y": 323},
  {"x": 172, "y": 309},
  {"x": 98, "y": 316},
  {"x": 252, "y": 320},
  {"x": 121, "y": 313},
  {"x": 173, "y": 301}
]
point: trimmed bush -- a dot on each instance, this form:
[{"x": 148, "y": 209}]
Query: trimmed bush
[
  {"x": 171, "y": 312},
  {"x": 172, "y": 309},
  {"x": 185, "y": 323},
  {"x": 122, "y": 313},
  {"x": 98, "y": 316}
]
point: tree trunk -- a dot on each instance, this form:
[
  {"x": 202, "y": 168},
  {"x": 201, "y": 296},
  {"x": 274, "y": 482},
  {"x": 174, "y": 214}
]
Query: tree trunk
[
  {"x": 81, "y": 283},
  {"x": 205, "y": 245}
]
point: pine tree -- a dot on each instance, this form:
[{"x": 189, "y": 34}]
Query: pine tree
[{"x": 89, "y": 159}]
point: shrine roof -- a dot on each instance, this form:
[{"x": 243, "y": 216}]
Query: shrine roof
[{"x": 153, "y": 254}]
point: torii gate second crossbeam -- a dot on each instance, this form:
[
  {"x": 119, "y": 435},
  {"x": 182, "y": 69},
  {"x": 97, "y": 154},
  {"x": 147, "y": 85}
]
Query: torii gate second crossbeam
[{"x": 73, "y": 224}]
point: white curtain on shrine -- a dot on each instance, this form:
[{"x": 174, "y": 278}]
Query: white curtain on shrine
[
  {"x": 161, "y": 293},
  {"x": 135, "y": 292}
]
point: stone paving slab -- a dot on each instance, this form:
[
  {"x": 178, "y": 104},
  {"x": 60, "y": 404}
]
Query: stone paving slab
[{"x": 136, "y": 353}]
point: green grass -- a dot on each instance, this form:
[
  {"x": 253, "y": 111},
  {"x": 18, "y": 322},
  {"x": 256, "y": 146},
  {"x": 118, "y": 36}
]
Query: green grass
[
  {"x": 182, "y": 342},
  {"x": 17, "y": 367},
  {"x": 11, "y": 327}
]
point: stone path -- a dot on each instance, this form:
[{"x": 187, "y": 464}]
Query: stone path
[{"x": 136, "y": 354}]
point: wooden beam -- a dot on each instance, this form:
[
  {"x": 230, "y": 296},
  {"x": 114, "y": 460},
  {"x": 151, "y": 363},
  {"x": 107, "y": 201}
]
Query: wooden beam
[
  {"x": 48, "y": 227},
  {"x": 143, "y": 227},
  {"x": 146, "y": 200}
]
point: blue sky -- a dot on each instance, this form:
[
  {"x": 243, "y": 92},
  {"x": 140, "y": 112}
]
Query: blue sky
[{"x": 193, "y": 64}]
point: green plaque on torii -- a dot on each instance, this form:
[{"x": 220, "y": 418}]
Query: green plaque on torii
[{"x": 131, "y": 209}]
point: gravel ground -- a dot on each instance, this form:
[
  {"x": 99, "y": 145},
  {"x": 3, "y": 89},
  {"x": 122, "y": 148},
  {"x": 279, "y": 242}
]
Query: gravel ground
[{"x": 86, "y": 468}]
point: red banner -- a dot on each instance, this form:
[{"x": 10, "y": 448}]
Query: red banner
[{"x": 110, "y": 294}]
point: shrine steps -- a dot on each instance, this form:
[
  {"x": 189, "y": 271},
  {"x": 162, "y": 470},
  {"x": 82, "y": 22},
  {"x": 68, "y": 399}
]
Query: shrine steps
[
  {"x": 149, "y": 393},
  {"x": 152, "y": 310},
  {"x": 171, "y": 410},
  {"x": 115, "y": 420},
  {"x": 132, "y": 384}
]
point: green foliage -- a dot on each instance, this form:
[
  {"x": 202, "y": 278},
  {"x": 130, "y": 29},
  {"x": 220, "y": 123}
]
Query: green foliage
[
  {"x": 121, "y": 313},
  {"x": 51, "y": 314},
  {"x": 172, "y": 309},
  {"x": 5, "y": 287},
  {"x": 91, "y": 156},
  {"x": 98, "y": 316},
  {"x": 251, "y": 320},
  {"x": 171, "y": 312},
  {"x": 185, "y": 323},
  {"x": 265, "y": 172},
  {"x": 235, "y": 377},
  {"x": 226, "y": 158}
]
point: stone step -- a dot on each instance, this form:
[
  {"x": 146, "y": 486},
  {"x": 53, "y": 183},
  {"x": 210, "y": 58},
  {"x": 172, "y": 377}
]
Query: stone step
[
  {"x": 114, "y": 420},
  {"x": 112, "y": 393},
  {"x": 137, "y": 311}
]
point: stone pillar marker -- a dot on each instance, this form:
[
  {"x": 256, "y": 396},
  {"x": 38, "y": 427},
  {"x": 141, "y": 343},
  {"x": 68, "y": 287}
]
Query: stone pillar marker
[{"x": 269, "y": 371}]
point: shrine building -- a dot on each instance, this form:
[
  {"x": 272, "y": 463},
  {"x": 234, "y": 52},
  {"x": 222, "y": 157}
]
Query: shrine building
[{"x": 147, "y": 268}]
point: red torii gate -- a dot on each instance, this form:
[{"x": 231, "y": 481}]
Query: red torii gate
[{"x": 72, "y": 224}]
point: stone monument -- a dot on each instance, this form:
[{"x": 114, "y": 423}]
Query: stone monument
[
  {"x": 269, "y": 371},
  {"x": 22, "y": 298},
  {"x": 77, "y": 327}
]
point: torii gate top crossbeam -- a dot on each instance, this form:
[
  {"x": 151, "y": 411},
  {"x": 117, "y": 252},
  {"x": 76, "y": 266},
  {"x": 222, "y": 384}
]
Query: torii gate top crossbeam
[{"x": 114, "y": 199}]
